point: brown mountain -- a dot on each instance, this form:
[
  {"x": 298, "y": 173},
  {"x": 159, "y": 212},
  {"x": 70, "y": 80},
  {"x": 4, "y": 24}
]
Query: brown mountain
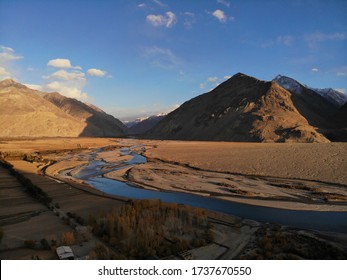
[
  {"x": 242, "y": 109},
  {"x": 98, "y": 122},
  {"x": 27, "y": 112}
]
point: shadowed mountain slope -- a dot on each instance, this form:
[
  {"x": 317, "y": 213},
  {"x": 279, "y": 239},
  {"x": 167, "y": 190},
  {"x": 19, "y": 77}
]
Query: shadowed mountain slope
[
  {"x": 98, "y": 122},
  {"x": 242, "y": 109}
]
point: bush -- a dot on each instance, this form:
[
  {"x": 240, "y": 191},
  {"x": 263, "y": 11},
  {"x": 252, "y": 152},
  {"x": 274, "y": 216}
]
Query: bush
[
  {"x": 68, "y": 238},
  {"x": 31, "y": 244},
  {"x": 44, "y": 243},
  {"x": 100, "y": 252}
]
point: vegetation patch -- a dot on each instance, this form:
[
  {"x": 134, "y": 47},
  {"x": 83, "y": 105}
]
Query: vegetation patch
[
  {"x": 274, "y": 242},
  {"x": 151, "y": 229}
]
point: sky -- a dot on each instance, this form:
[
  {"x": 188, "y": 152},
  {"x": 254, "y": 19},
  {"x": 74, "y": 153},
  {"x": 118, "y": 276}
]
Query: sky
[{"x": 138, "y": 58}]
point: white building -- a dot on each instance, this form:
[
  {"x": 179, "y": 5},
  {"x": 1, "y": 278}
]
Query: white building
[{"x": 65, "y": 253}]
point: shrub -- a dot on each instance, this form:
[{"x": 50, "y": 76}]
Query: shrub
[
  {"x": 44, "y": 243},
  {"x": 31, "y": 244},
  {"x": 68, "y": 238},
  {"x": 100, "y": 252}
]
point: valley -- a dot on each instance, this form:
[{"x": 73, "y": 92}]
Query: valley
[
  {"x": 64, "y": 168},
  {"x": 239, "y": 172}
]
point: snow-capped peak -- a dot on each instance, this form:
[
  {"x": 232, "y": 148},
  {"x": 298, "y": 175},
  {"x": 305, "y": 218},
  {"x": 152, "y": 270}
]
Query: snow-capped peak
[
  {"x": 289, "y": 84},
  {"x": 333, "y": 96}
]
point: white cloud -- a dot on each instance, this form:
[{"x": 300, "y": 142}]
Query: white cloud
[
  {"x": 67, "y": 76},
  {"x": 96, "y": 72},
  {"x": 67, "y": 90},
  {"x": 286, "y": 40},
  {"x": 315, "y": 70},
  {"x": 169, "y": 19},
  {"x": 62, "y": 63},
  {"x": 34, "y": 86},
  {"x": 161, "y": 4},
  {"x": 5, "y": 56},
  {"x": 8, "y": 54},
  {"x": 220, "y": 15},
  {"x": 142, "y": 5},
  {"x": 189, "y": 19},
  {"x": 4, "y": 72},
  {"x": 161, "y": 57},
  {"x": 314, "y": 38},
  {"x": 69, "y": 82},
  {"x": 6, "y": 49},
  {"x": 156, "y": 20},
  {"x": 223, "y": 2},
  {"x": 212, "y": 79}
]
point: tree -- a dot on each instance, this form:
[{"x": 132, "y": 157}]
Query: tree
[{"x": 68, "y": 238}]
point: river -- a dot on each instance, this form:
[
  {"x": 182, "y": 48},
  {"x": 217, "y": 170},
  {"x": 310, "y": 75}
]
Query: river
[{"x": 314, "y": 220}]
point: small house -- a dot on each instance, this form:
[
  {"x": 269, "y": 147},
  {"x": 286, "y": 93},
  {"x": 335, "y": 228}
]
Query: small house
[{"x": 65, "y": 253}]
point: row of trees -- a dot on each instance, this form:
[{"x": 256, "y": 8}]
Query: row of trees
[{"x": 32, "y": 189}]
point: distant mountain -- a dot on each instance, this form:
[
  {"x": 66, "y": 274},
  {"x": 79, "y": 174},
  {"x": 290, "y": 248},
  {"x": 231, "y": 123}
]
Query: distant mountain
[
  {"x": 245, "y": 109},
  {"x": 323, "y": 108},
  {"x": 336, "y": 98},
  {"x": 30, "y": 113},
  {"x": 142, "y": 125}
]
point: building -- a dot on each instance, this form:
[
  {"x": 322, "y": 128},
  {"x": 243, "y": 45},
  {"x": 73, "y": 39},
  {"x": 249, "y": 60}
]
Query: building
[{"x": 65, "y": 253}]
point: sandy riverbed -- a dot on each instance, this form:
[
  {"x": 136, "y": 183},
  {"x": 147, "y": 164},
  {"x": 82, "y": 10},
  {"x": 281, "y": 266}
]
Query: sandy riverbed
[{"x": 290, "y": 176}]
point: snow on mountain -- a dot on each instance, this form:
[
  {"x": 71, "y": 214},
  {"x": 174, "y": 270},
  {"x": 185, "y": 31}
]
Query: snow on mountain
[
  {"x": 141, "y": 125},
  {"x": 335, "y": 97},
  {"x": 289, "y": 84}
]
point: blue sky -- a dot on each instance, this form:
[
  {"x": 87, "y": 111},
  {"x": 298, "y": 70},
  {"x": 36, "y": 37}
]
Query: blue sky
[{"x": 136, "y": 58}]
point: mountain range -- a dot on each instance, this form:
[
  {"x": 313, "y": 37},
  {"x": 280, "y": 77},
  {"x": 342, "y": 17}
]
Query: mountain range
[
  {"x": 245, "y": 109},
  {"x": 242, "y": 109},
  {"x": 142, "y": 125},
  {"x": 30, "y": 113}
]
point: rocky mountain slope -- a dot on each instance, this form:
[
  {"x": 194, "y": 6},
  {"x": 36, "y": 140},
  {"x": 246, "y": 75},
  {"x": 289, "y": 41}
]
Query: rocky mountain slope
[
  {"x": 30, "y": 113},
  {"x": 245, "y": 109}
]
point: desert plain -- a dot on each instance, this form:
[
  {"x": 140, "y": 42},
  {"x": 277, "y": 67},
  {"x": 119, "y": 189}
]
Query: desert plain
[{"x": 292, "y": 176}]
